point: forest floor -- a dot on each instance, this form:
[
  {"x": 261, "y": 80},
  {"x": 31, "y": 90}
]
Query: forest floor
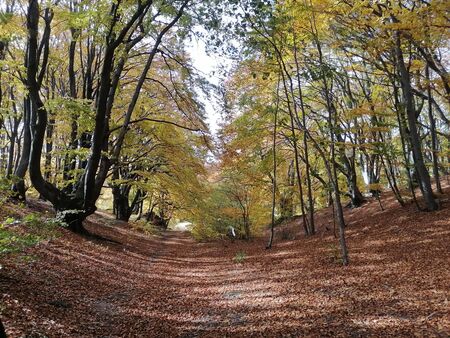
[{"x": 133, "y": 285}]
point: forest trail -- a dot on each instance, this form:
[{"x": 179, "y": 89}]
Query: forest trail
[{"x": 133, "y": 285}]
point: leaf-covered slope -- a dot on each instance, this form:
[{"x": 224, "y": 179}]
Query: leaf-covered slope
[{"x": 134, "y": 285}]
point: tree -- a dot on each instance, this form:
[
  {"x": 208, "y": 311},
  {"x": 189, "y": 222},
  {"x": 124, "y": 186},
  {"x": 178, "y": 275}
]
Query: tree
[{"x": 124, "y": 33}]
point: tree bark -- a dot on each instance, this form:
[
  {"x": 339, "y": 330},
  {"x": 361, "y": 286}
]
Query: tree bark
[
  {"x": 356, "y": 197},
  {"x": 421, "y": 170},
  {"x": 434, "y": 140},
  {"x": 2, "y": 330},
  {"x": 19, "y": 187},
  {"x": 331, "y": 120},
  {"x": 402, "y": 128},
  {"x": 77, "y": 203},
  {"x": 274, "y": 167},
  {"x": 311, "y": 224},
  {"x": 295, "y": 145},
  {"x": 12, "y": 144}
]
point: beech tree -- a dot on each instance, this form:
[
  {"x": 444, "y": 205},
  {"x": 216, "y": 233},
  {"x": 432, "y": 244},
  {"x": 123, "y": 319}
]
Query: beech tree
[
  {"x": 126, "y": 27},
  {"x": 354, "y": 79}
]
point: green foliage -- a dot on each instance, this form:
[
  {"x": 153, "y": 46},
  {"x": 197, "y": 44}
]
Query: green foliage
[
  {"x": 5, "y": 189},
  {"x": 219, "y": 212},
  {"x": 146, "y": 227},
  {"x": 12, "y": 242},
  {"x": 65, "y": 107},
  {"x": 32, "y": 220},
  {"x": 8, "y": 221},
  {"x": 200, "y": 232},
  {"x": 240, "y": 257},
  {"x": 15, "y": 238}
]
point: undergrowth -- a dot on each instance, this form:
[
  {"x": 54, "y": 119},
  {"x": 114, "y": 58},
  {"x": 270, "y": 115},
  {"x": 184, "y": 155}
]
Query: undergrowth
[
  {"x": 18, "y": 234},
  {"x": 146, "y": 227},
  {"x": 239, "y": 257}
]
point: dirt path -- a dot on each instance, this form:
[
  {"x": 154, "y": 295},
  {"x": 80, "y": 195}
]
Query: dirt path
[{"x": 171, "y": 286}]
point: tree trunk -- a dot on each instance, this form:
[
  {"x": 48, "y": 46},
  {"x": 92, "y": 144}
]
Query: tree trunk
[
  {"x": 349, "y": 170},
  {"x": 286, "y": 204},
  {"x": 69, "y": 210},
  {"x": 434, "y": 141},
  {"x": 356, "y": 196},
  {"x": 121, "y": 194},
  {"x": 121, "y": 205},
  {"x": 331, "y": 120},
  {"x": 70, "y": 160},
  {"x": 390, "y": 175},
  {"x": 12, "y": 144},
  {"x": 274, "y": 167},
  {"x": 141, "y": 210},
  {"x": 246, "y": 228},
  {"x": 123, "y": 210},
  {"x": 403, "y": 140},
  {"x": 48, "y": 150},
  {"x": 421, "y": 170},
  {"x": 73, "y": 219},
  {"x": 2, "y": 330},
  {"x": 312, "y": 229},
  {"x": 19, "y": 186},
  {"x": 295, "y": 146}
]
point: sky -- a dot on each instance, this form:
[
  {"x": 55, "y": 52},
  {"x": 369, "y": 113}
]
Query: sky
[{"x": 208, "y": 65}]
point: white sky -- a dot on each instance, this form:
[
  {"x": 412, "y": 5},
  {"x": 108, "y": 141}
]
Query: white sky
[{"x": 208, "y": 65}]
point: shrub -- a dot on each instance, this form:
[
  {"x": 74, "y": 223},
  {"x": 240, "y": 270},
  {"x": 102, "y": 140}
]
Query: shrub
[
  {"x": 146, "y": 227},
  {"x": 32, "y": 220},
  {"x": 5, "y": 189},
  {"x": 204, "y": 233},
  {"x": 239, "y": 257}
]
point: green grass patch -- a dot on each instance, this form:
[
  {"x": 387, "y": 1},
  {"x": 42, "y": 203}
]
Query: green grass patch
[
  {"x": 11, "y": 241},
  {"x": 18, "y": 234}
]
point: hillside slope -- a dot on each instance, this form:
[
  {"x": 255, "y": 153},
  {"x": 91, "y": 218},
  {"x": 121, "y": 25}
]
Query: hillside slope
[{"x": 132, "y": 285}]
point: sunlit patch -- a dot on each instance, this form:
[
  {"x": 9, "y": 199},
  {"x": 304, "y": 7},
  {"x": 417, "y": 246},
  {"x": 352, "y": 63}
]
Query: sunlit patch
[{"x": 381, "y": 321}]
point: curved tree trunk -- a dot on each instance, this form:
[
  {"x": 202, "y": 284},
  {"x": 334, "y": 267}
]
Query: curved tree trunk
[
  {"x": 312, "y": 228},
  {"x": 13, "y": 139},
  {"x": 292, "y": 114},
  {"x": 332, "y": 172}
]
